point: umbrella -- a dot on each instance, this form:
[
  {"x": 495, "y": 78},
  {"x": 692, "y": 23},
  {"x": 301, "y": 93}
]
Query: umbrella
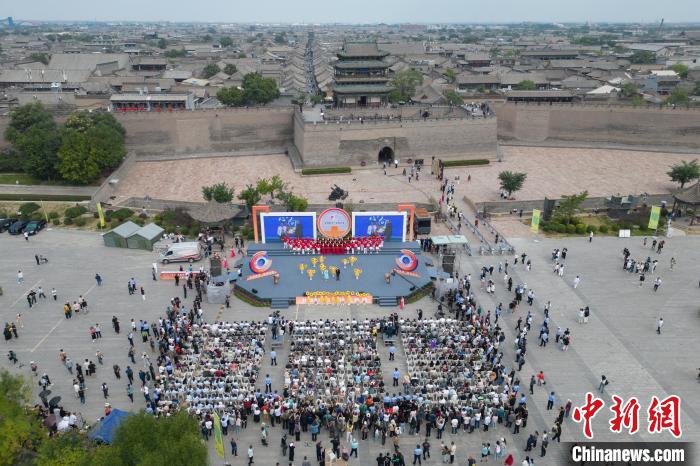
[
  {"x": 44, "y": 394},
  {"x": 53, "y": 403}
]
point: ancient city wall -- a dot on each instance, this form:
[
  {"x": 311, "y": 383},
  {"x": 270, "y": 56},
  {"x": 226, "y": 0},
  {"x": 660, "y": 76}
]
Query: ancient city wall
[
  {"x": 256, "y": 130},
  {"x": 333, "y": 144},
  {"x": 599, "y": 125}
]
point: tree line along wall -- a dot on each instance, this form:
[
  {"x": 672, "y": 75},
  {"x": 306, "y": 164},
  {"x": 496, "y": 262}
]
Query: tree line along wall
[{"x": 599, "y": 126}]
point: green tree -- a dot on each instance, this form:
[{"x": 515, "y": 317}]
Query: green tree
[
  {"x": 175, "y": 53},
  {"x": 162, "y": 43},
  {"x": 226, "y": 41},
  {"x": 143, "y": 439},
  {"x": 450, "y": 75},
  {"x": 681, "y": 69},
  {"x": 678, "y": 96},
  {"x": 35, "y": 137},
  {"x": 280, "y": 38},
  {"x": 20, "y": 432},
  {"x": 569, "y": 206},
  {"x": 511, "y": 181},
  {"x": 230, "y": 69},
  {"x": 404, "y": 85},
  {"x": 231, "y": 96},
  {"x": 259, "y": 90},
  {"x": 263, "y": 186},
  {"x": 219, "y": 192},
  {"x": 41, "y": 57},
  {"x": 276, "y": 185},
  {"x": 684, "y": 172},
  {"x": 629, "y": 89},
  {"x": 75, "y": 161},
  {"x": 210, "y": 70},
  {"x": 293, "y": 203},
  {"x": 643, "y": 57},
  {"x": 250, "y": 196},
  {"x": 526, "y": 85},
  {"x": 452, "y": 97},
  {"x": 68, "y": 449},
  {"x": 104, "y": 138},
  {"x": 696, "y": 89}
]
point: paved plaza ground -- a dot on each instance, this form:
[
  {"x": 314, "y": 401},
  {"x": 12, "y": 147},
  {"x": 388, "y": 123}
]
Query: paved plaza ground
[
  {"x": 551, "y": 172},
  {"x": 620, "y": 341}
]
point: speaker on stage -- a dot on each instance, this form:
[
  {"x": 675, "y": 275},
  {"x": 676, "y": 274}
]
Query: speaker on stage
[{"x": 254, "y": 291}]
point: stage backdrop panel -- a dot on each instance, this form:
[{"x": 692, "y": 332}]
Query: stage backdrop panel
[
  {"x": 390, "y": 225},
  {"x": 275, "y": 225}
]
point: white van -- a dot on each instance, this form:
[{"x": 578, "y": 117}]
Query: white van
[{"x": 182, "y": 252}]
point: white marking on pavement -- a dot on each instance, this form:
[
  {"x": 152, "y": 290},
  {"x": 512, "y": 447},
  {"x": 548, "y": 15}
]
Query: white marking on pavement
[
  {"x": 47, "y": 335},
  {"x": 24, "y": 293},
  {"x": 59, "y": 322}
]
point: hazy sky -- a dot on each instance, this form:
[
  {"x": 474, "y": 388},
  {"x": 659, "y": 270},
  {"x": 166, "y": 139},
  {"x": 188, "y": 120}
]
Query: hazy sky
[{"x": 355, "y": 11}]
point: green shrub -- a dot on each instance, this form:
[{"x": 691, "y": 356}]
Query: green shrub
[
  {"x": 56, "y": 222},
  {"x": 80, "y": 221},
  {"x": 108, "y": 219},
  {"x": 603, "y": 229},
  {"x": 122, "y": 214},
  {"x": 143, "y": 215},
  {"x": 571, "y": 228},
  {"x": 53, "y": 215},
  {"x": 642, "y": 226},
  {"x": 139, "y": 221},
  {"x": 68, "y": 221},
  {"x": 560, "y": 228},
  {"x": 36, "y": 216},
  {"x": 114, "y": 224},
  {"x": 580, "y": 228},
  {"x": 463, "y": 163},
  {"x": 28, "y": 208},
  {"x": 325, "y": 171},
  {"x": 591, "y": 229},
  {"x": 74, "y": 212}
]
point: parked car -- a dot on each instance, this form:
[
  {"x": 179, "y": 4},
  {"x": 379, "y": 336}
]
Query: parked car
[
  {"x": 182, "y": 252},
  {"x": 18, "y": 227},
  {"x": 35, "y": 226},
  {"x": 6, "y": 223}
]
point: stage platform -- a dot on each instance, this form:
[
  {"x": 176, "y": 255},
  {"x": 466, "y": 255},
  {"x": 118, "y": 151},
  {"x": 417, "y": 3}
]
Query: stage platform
[{"x": 293, "y": 283}]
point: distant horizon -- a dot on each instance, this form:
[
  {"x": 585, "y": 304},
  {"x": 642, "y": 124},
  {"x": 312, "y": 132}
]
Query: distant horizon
[
  {"x": 361, "y": 12},
  {"x": 341, "y": 23}
]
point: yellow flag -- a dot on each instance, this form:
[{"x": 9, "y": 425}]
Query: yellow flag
[
  {"x": 535, "y": 225},
  {"x": 654, "y": 217},
  {"x": 102, "y": 216},
  {"x": 218, "y": 439},
  {"x": 46, "y": 216}
]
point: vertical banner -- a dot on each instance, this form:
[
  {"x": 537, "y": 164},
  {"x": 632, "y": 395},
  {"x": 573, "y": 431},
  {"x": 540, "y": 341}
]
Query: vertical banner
[
  {"x": 535, "y": 225},
  {"x": 654, "y": 217},
  {"x": 218, "y": 439},
  {"x": 101, "y": 214},
  {"x": 46, "y": 216}
]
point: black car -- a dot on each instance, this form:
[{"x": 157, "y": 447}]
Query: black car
[
  {"x": 35, "y": 226},
  {"x": 6, "y": 223},
  {"x": 18, "y": 227}
]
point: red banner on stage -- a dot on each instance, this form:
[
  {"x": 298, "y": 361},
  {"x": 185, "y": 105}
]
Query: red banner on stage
[{"x": 170, "y": 274}]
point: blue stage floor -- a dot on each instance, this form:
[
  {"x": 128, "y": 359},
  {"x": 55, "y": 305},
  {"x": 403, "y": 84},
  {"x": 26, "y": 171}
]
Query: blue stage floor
[{"x": 292, "y": 283}]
